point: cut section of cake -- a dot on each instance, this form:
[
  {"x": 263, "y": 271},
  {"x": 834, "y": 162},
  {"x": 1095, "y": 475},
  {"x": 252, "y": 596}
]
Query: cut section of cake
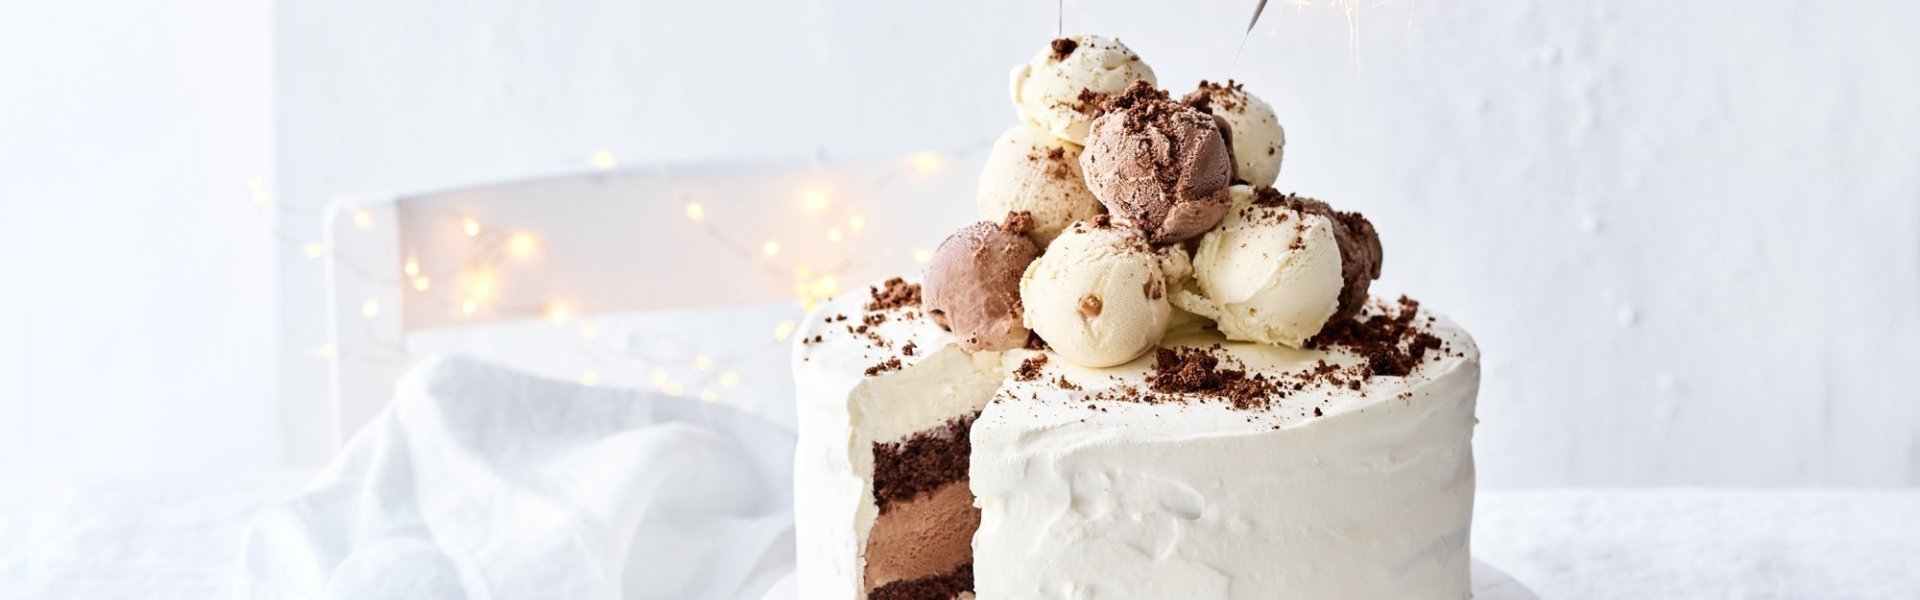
[{"x": 885, "y": 402}]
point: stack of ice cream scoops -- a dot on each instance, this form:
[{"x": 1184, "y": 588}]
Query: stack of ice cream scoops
[
  {"x": 1143, "y": 374},
  {"x": 1113, "y": 204}
]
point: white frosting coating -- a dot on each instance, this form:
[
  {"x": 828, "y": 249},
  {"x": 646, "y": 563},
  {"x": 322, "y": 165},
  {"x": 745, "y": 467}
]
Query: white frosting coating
[
  {"x": 842, "y": 411},
  {"x": 1370, "y": 499},
  {"x": 1198, "y": 500}
]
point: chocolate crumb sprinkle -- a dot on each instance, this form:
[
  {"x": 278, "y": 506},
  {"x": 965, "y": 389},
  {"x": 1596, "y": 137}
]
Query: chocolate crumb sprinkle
[
  {"x": 1198, "y": 370},
  {"x": 891, "y": 364},
  {"x": 1063, "y": 48},
  {"x": 1030, "y": 368},
  {"x": 1018, "y": 222},
  {"x": 894, "y": 293},
  {"x": 1390, "y": 342}
]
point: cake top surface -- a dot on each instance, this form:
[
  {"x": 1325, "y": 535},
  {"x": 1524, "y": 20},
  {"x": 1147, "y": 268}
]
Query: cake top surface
[
  {"x": 1214, "y": 384},
  {"x": 871, "y": 332},
  {"x": 1388, "y": 353}
]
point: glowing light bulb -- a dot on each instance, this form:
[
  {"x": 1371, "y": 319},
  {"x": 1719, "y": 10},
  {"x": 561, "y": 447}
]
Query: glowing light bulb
[
  {"x": 802, "y": 272},
  {"x": 729, "y": 379},
  {"x": 831, "y": 284},
  {"x": 363, "y": 219},
  {"x": 771, "y": 248},
  {"x": 470, "y": 226},
  {"x": 313, "y": 250},
  {"x": 558, "y": 312},
  {"x": 522, "y": 244},
  {"x": 922, "y": 255},
  {"x": 421, "y": 283},
  {"x": 696, "y": 212},
  {"x": 673, "y": 388},
  {"x": 370, "y": 308},
  {"x": 709, "y": 396},
  {"x": 659, "y": 376},
  {"x": 783, "y": 331},
  {"x": 257, "y": 189},
  {"x": 856, "y": 222},
  {"x": 927, "y": 162},
  {"x": 604, "y": 160},
  {"x": 702, "y": 363},
  {"x": 469, "y": 307},
  {"x": 589, "y": 379},
  {"x": 815, "y": 200},
  {"x": 834, "y": 235},
  {"x": 412, "y": 267},
  {"x": 482, "y": 285}
]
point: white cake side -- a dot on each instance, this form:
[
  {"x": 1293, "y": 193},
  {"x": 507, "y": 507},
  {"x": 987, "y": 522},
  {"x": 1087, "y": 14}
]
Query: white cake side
[
  {"x": 1087, "y": 496},
  {"x": 848, "y": 398}
]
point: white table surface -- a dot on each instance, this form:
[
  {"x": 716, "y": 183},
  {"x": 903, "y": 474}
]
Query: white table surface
[
  {"x": 179, "y": 539},
  {"x": 1743, "y": 544}
]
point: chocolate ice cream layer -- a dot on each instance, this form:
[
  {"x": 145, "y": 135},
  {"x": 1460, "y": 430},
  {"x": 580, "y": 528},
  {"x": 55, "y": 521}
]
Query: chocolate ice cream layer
[{"x": 926, "y": 537}]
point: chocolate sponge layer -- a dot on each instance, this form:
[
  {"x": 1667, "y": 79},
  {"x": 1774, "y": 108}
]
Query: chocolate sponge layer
[{"x": 921, "y": 544}]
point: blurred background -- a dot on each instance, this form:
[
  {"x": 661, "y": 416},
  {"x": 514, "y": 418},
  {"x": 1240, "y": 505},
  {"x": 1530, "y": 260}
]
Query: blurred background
[{"x": 1685, "y": 235}]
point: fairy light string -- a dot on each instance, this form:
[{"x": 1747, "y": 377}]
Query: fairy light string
[{"x": 680, "y": 369}]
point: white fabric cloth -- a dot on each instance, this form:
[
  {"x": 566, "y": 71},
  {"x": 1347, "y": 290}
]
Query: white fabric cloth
[{"x": 482, "y": 482}]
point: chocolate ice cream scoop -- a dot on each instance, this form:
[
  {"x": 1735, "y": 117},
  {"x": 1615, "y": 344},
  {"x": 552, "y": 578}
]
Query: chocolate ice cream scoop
[
  {"x": 972, "y": 285},
  {"x": 1162, "y": 165}
]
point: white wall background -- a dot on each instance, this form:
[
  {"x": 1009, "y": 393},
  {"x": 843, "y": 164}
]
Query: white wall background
[
  {"x": 137, "y": 303},
  {"x": 1687, "y": 235}
]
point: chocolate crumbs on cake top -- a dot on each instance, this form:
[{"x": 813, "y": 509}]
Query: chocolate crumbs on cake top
[
  {"x": 894, "y": 293},
  {"x": 1199, "y": 371},
  {"x": 1392, "y": 343},
  {"x": 1030, "y": 368},
  {"x": 890, "y": 364}
]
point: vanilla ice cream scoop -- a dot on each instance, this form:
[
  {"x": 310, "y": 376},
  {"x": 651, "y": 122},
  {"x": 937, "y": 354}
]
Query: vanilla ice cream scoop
[
  {"x": 1098, "y": 296},
  {"x": 972, "y": 284},
  {"x": 1030, "y": 170},
  {"x": 1279, "y": 267},
  {"x": 1059, "y": 91},
  {"x": 1254, "y": 135}
]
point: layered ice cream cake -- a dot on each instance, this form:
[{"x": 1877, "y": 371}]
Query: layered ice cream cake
[{"x": 1145, "y": 373}]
